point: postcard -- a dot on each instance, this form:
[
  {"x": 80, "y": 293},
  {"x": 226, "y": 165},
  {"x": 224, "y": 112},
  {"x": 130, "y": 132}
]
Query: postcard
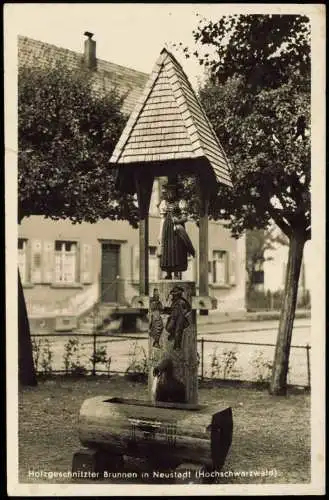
[{"x": 165, "y": 249}]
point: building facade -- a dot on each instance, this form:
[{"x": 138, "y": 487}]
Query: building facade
[
  {"x": 275, "y": 267},
  {"x": 65, "y": 268}
]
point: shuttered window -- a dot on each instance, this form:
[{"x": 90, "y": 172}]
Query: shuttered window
[
  {"x": 36, "y": 261},
  {"x": 220, "y": 267},
  {"x": 54, "y": 262},
  {"x": 47, "y": 261},
  {"x": 66, "y": 262},
  {"x": 86, "y": 264}
]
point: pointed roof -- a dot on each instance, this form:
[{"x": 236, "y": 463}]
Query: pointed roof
[{"x": 169, "y": 123}]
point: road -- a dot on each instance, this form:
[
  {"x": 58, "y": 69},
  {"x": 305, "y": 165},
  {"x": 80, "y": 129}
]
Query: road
[
  {"x": 255, "y": 331},
  {"x": 223, "y": 355}
]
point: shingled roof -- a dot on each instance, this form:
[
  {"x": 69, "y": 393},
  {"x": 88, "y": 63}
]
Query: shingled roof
[
  {"x": 106, "y": 76},
  {"x": 169, "y": 124}
]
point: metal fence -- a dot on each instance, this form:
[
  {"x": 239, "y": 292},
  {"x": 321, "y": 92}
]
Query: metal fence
[{"x": 121, "y": 354}]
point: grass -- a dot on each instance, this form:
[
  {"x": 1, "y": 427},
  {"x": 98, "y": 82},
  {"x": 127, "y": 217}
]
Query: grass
[{"x": 270, "y": 433}]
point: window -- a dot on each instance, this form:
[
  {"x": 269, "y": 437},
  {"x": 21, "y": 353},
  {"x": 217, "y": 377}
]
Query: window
[
  {"x": 22, "y": 259},
  {"x": 65, "y": 261},
  {"x": 220, "y": 267}
]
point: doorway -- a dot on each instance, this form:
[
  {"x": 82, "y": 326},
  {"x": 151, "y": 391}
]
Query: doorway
[{"x": 109, "y": 272}]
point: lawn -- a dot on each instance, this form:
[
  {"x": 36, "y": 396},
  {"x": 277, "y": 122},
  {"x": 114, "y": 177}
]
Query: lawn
[{"x": 269, "y": 433}]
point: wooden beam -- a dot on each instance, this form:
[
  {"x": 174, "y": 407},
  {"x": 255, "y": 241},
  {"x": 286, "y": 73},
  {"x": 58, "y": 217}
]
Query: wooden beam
[
  {"x": 144, "y": 184},
  {"x": 203, "y": 243},
  {"x": 143, "y": 256}
]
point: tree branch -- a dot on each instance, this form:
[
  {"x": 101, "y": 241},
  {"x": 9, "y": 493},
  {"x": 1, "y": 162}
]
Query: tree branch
[
  {"x": 308, "y": 234},
  {"x": 276, "y": 216}
]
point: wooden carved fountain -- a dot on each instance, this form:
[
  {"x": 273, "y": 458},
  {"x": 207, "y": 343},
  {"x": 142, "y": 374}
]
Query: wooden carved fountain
[{"x": 168, "y": 134}]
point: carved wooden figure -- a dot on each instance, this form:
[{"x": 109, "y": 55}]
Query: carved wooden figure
[
  {"x": 178, "y": 341},
  {"x": 174, "y": 243},
  {"x": 156, "y": 322}
]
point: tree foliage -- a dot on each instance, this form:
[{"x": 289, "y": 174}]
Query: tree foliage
[
  {"x": 66, "y": 133},
  {"x": 258, "y": 85},
  {"x": 257, "y": 97}
]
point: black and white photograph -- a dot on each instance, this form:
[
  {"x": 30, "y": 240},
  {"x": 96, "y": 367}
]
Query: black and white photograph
[{"x": 165, "y": 261}]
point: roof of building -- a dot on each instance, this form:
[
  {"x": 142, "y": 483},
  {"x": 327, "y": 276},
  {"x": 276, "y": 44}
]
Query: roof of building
[
  {"x": 169, "y": 123},
  {"x": 107, "y": 75}
]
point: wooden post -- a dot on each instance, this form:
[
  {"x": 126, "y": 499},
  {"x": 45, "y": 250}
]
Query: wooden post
[
  {"x": 308, "y": 366},
  {"x": 202, "y": 357},
  {"x": 185, "y": 358},
  {"x": 144, "y": 184},
  {"x": 203, "y": 245},
  {"x": 143, "y": 256}
]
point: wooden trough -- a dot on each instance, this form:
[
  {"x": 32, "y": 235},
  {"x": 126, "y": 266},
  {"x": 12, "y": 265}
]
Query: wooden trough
[{"x": 167, "y": 435}]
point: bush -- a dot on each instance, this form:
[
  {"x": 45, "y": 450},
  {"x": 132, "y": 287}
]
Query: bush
[
  {"x": 262, "y": 367},
  {"x": 42, "y": 356},
  {"x": 72, "y": 363},
  {"x": 223, "y": 365},
  {"x": 100, "y": 357},
  {"x": 138, "y": 364}
]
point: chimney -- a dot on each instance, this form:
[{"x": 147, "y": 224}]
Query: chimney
[{"x": 90, "y": 51}]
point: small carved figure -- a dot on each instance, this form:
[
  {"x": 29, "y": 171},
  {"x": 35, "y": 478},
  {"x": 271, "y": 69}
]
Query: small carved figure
[
  {"x": 177, "y": 320},
  {"x": 156, "y": 323},
  {"x": 174, "y": 243},
  {"x": 167, "y": 388}
]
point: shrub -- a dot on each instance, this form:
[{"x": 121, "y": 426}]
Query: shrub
[
  {"x": 100, "y": 356},
  {"x": 138, "y": 364},
  {"x": 42, "y": 356},
  {"x": 72, "y": 363},
  {"x": 262, "y": 368}
]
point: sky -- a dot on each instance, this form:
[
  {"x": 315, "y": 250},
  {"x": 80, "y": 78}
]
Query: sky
[{"x": 131, "y": 35}]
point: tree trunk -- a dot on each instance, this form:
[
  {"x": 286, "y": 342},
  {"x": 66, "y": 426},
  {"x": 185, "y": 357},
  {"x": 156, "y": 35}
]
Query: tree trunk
[
  {"x": 278, "y": 385},
  {"x": 26, "y": 371}
]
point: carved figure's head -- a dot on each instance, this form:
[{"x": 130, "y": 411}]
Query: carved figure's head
[{"x": 176, "y": 292}]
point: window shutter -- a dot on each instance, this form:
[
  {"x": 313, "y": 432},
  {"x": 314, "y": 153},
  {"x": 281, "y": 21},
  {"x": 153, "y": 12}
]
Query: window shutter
[
  {"x": 36, "y": 254},
  {"x": 86, "y": 263},
  {"x": 135, "y": 263},
  {"x": 232, "y": 268},
  {"x": 48, "y": 261},
  {"x": 214, "y": 274}
]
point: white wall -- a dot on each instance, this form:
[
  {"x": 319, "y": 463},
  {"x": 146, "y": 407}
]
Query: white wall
[{"x": 274, "y": 270}]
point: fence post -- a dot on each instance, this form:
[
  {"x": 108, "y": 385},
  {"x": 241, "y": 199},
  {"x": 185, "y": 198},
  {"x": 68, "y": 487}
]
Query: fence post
[
  {"x": 94, "y": 353},
  {"x": 308, "y": 347},
  {"x": 202, "y": 356}
]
